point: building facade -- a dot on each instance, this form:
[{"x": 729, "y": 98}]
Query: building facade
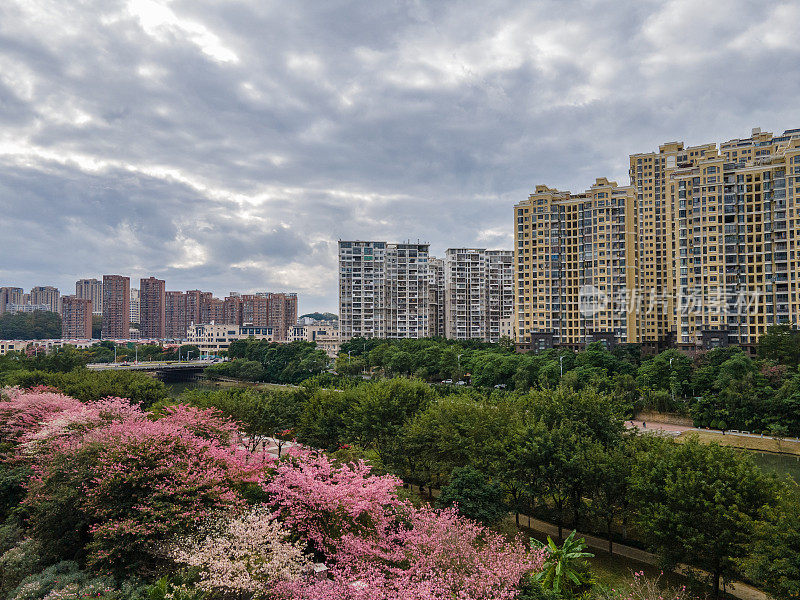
[
  {"x": 116, "y": 307},
  {"x": 9, "y": 296},
  {"x": 383, "y": 289},
  {"x": 46, "y": 295},
  {"x": 76, "y": 318},
  {"x": 570, "y": 247},
  {"x": 465, "y": 294},
  {"x": 152, "y": 308},
  {"x": 174, "y": 315},
  {"x": 324, "y": 335},
  {"x": 703, "y": 242},
  {"x": 281, "y": 313},
  {"x": 134, "y": 306},
  {"x": 212, "y": 339},
  {"x": 478, "y": 293},
  {"x": 91, "y": 289}
]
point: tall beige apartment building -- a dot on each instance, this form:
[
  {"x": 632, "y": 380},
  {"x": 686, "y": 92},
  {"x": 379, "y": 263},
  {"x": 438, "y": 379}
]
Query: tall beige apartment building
[
  {"x": 571, "y": 247},
  {"x": 698, "y": 251},
  {"x": 91, "y": 289}
]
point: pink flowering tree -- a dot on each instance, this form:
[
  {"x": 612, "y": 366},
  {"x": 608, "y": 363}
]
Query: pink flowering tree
[
  {"x": 115, "y": 487},
  {"x": 377, "y": 546}
]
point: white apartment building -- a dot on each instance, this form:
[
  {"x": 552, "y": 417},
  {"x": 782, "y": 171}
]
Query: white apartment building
[
  {"x": 499, "y": 293},
  {"x": 325, "y": 335},
  {"x": 465, "y": 293},
  {"x": 435, "y": 297},
  {"x": 134, "y": 306},
  {"x": 478, "y": 293},
  {"x": 383, "y": 290}
]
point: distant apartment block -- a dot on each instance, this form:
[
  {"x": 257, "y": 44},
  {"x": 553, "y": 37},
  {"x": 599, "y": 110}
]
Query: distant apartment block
[
  {"x": 76, "y": 318},
  {"x": 116, "y": 307},
  {"x": 281, "y": 313},
  {"x": 152, "y": 308},
  {"x": 324, "y": 335},
  {"x": 134, "y": 306},
  {"x": 91, "y": 289},
  {"x": 9, "y": 296},
  {"x": 436, "y": 295},
  {"x": 383, "y": 289},
  {"x": 215, "y": 338},
  {"x": 46, "y": 295},
  {"x": 465, "y": 294},
  {"x": 174, "y": 315}
]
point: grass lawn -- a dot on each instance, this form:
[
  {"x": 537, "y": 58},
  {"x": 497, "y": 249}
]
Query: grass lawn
[{"x": 745, "y": 442}]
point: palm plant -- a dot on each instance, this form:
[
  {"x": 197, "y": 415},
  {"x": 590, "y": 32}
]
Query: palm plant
[{"x": 563, "y": 564}]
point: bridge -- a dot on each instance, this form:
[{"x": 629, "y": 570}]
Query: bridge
[{"x": 171, "y": 370}]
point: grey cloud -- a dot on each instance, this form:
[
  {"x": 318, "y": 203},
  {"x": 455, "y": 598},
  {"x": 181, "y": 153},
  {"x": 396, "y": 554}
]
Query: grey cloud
[{"x": 126, "y": 146}]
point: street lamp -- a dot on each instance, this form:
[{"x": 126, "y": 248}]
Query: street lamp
[{"x": 561, "y": 366}]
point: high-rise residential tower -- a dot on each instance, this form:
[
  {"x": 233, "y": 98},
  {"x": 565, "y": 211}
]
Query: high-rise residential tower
[
  {"x": 465, "y": 294},
  {"x": 499, "y": 292},
  {"x": 91, "y": 289},
  {"x": 383, "y": 289},
  {"x": 116, "y": 307},
  {"x": 702, "y": 242},
  {"x": 281, "y": 313},
  {"x": 152, "y": 308},
  {"x": 76, "y": 318},
  {"x": 9, "y": 296},
  {"x": 46, "y": 295},
  {"x": 175, "y": 315},
  {"x": 573, "y": 246}
]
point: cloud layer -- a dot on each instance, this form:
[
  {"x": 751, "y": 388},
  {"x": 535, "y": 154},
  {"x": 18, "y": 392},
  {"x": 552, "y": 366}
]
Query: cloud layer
[{"x": 229, "y": 145}]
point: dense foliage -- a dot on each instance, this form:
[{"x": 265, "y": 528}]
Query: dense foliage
[
  {"x": 562, "y": 455},
  {"x": 36, "y": 325},
  {"x": 113, "y": 501},
  {"x": 723, "y": 388},
  {"x": 272, "y": 362}
]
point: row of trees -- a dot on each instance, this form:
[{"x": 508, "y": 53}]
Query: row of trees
[
  {"x": 562, "y": 454},
  {"x": 723, "y": 388},
  {"x": 271, "y": 362}
]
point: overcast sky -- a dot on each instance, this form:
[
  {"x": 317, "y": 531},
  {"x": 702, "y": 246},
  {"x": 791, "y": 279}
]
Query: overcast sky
[{"x": 228, "y": 145}]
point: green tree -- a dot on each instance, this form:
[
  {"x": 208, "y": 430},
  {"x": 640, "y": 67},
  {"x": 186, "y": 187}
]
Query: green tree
[
  {"x": 782, "y": 344},
  {"x": 773, "y": 558},
  {"x": 565, "y": 568},
  {"x": 474, "y": 496},
  {"x": 698, "y": 504}
]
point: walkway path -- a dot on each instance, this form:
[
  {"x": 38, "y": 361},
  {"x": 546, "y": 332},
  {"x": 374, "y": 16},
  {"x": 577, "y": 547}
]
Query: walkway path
[{"x": 736, "y": 589}]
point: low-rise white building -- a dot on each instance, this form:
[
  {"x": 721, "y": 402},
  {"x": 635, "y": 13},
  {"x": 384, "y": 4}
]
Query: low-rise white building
[
  {"x": 213, "y": 339},
  {"x": 325, "y": 335}
]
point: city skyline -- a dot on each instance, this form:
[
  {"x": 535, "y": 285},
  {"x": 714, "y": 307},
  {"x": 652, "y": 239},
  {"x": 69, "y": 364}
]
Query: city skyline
[{"x": 180, "y": 142}]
